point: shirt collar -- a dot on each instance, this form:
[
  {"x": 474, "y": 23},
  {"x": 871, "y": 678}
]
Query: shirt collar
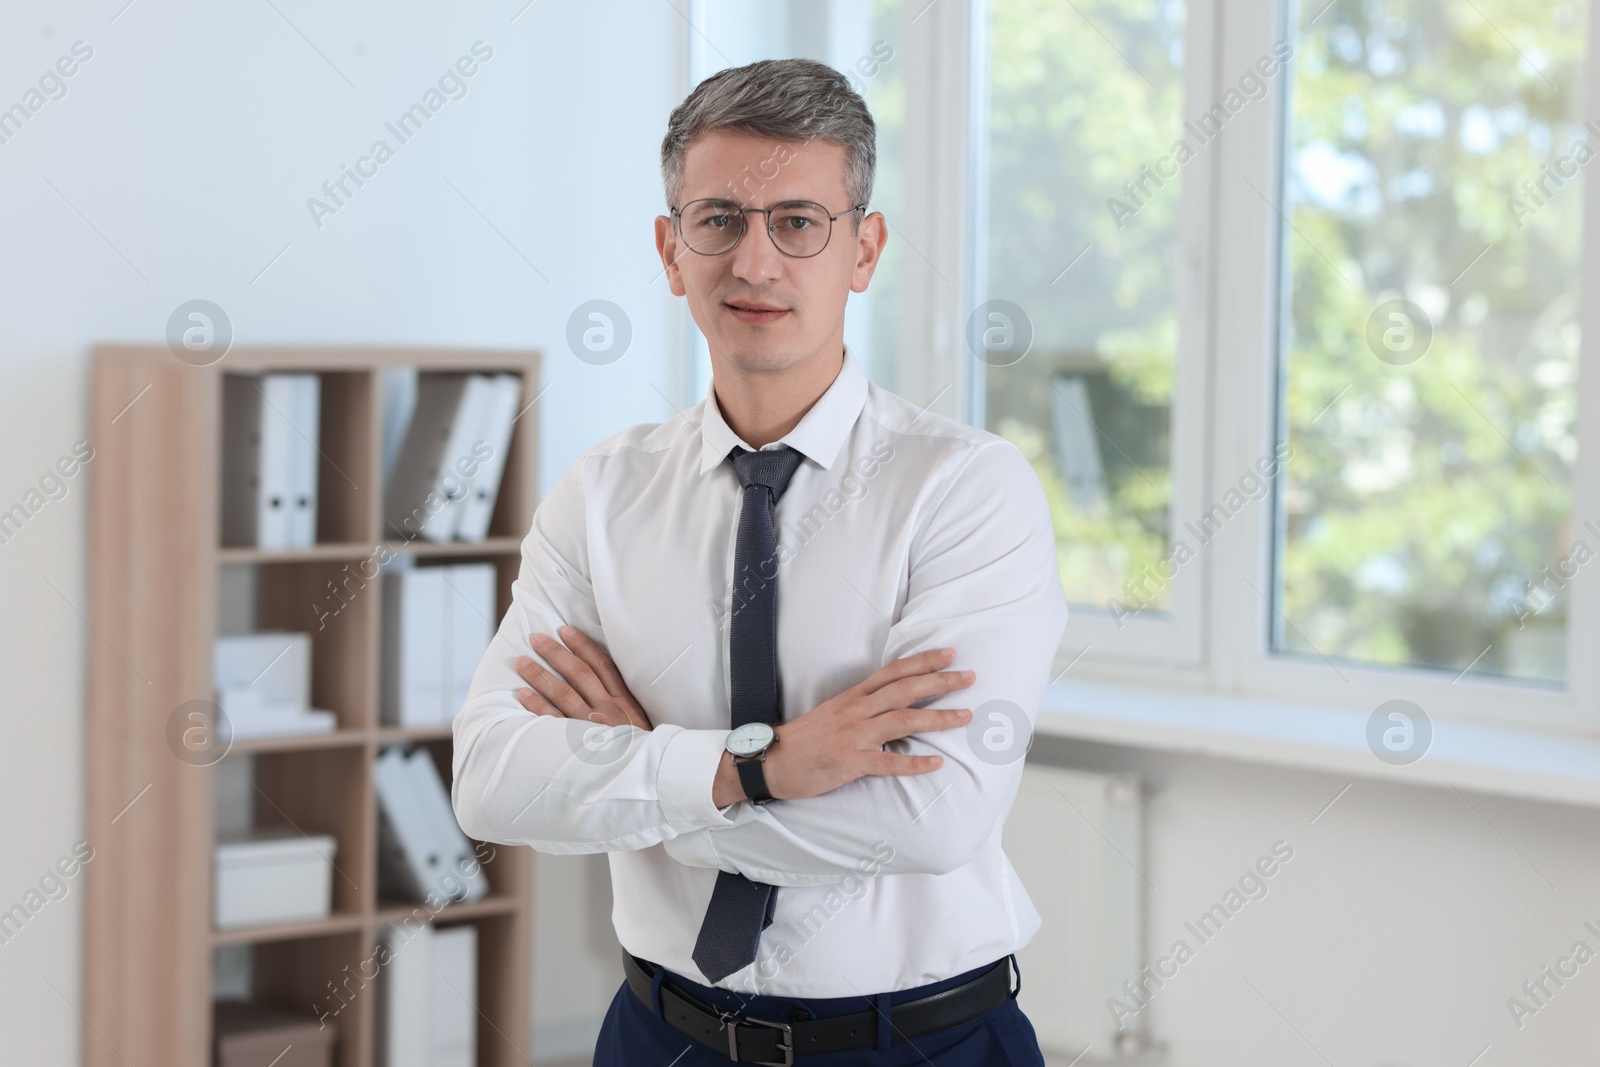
[{"x": 820, "y": 433}]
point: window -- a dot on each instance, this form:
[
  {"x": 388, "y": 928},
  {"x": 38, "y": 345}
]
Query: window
[
  {"x": 1434, "y": 191},
  {"x": 1079, "y": 328},
  {"x": 1287, "y": 320},
  {"x": 1086, "y": 175}
]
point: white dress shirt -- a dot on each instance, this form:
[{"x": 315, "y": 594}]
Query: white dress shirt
[{"x": 900, "y": 532}]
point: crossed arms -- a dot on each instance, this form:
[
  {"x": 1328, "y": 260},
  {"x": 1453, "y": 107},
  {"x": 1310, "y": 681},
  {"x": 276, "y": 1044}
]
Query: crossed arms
[{"x": 863, "y": 769}]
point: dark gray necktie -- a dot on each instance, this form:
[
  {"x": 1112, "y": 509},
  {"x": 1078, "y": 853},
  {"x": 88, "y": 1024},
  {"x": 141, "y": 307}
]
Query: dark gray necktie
[{"x": 740, "y": 909}]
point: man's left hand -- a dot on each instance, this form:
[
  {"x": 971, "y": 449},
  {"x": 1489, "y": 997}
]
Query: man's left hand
[{"x": 588, "y": 687}]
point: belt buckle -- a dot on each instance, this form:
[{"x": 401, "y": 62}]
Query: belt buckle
[{"x": 731, "y": 1021}]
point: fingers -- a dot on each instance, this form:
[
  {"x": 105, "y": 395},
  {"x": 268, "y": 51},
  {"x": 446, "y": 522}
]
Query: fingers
[
  {"x": 916, "y": 687},
  {"x": 574, "y": 671},
  {"x": 918, "y": 663},
  {"x": 592, "y": 654},
  {"x": 901, "y": 765},
  {"x": 536, "y": 703},
  {"x": 903, "y": 722},
  {"x": 552, "y": 688},
  {"x": 610, "y": 715}
]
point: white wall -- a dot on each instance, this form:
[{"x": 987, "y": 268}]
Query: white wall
[
  {"x": 187, "y": 147},
  {"x": 1391, "y": 939}
]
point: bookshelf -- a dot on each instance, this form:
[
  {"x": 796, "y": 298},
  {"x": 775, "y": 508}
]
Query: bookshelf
[{"x": 156, "y": 565}]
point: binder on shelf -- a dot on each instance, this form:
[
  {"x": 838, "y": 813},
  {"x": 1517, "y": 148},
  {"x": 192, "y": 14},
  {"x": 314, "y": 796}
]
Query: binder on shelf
[
  {"x": 496, "y": 438},
  {"x": 276, "y": 395},
  {"x": 305, "y": 430},
  {"x": 437, "y": 623},
  {"x": 413, "y": 646},
  {"x": 469, "y": 592},
  {"x": 455, "y": 996},
  {"x": 440, "y": 458},
  {"x": 405, "y": 1016},
  {"x": 408, "y": 862},
  {"x": 428, "y": 997},
  {"x": 464, "y": 455},
  {"x": 463, "y": 879},
  {"x": 422, "y": 853},
  {"x": 269, "y": 434}
]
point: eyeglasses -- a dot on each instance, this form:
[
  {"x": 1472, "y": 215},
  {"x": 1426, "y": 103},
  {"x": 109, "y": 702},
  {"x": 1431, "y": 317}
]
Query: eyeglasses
[{"x": 799, "y": 228}]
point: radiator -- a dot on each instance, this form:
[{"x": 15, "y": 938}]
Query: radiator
[{"x": 1075, "y": 839}]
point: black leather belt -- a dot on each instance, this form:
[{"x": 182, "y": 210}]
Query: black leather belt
[{"x": 747, "y": 1039}]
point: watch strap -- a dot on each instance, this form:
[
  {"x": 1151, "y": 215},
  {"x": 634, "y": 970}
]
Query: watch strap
[{"x": 752, "y": 776}]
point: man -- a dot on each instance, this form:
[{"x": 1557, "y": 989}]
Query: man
[{"x": 802, "y": 812}]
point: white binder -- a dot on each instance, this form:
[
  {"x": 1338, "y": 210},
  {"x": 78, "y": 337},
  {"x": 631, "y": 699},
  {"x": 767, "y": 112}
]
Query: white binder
[
  {"x": 305, "y": 416},
  {"x": 410, "y": 864},
  {"x": 455, "y": 996},
  {"x": 465, "y": 451},
  {"x": 460, "y": 876},
  {"x": 277, "y": 459},
  {"x": 269, "y": 459},
  {"x": 430, "y": 483},
  {"x": 495, "y": 434},
  {"x": 469, "y": 594},
  {"x": 405, "y": 1011},
  {"x": 428, "y": 996},
  {"x": 414, "y": 647},
  {"x": 422, "y": 852}
]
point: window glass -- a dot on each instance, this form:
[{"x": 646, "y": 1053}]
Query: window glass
[
  {"x": 1435, "y": 162},
  {"x": 1079, "y": 209}
]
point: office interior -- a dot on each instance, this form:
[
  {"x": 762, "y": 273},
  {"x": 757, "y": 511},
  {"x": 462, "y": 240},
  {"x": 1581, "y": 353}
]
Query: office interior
[{"x": 1285, "y": 302}]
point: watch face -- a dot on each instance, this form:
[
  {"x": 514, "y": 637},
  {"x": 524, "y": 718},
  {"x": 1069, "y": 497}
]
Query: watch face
[{"x": 750, "y": 739}]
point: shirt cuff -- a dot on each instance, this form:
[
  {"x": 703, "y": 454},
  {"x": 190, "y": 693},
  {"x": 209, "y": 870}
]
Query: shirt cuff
[{"x": 687, "y": 773}]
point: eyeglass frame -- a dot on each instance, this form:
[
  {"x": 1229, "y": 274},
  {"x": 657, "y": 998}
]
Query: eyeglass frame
[{"x": 744, "y": 224}]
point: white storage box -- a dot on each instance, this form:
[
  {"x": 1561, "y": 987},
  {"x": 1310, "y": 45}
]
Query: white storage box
[{"x": 271, "y": 876}]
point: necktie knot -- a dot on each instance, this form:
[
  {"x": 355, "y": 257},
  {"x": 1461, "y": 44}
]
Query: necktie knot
[{"x": 771, "y": 467}]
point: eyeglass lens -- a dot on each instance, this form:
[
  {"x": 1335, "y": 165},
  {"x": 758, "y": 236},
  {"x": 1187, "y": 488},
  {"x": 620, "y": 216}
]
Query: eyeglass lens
[{"x": 800, "y": 228}]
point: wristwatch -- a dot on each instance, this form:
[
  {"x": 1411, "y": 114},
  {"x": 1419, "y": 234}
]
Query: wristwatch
[{"x": 749, "y": 744}]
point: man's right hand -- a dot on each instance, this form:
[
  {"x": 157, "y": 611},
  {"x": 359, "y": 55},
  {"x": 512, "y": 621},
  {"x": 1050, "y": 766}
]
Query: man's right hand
[{"x": 842, "y": 739}]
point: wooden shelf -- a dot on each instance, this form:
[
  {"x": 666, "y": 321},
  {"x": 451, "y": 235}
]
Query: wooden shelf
[
  {"x": 382, "y": 735},
  {"x": 492, "y": 546},
  {"x": 397, "y": 735},
  {"x": 156, "y": 568},
  {"x": 390, "y": 911},
  {"x": 344, "y": 551},
  {"x": 300, "y": 742},
  {"x": 245, "y": 935}
]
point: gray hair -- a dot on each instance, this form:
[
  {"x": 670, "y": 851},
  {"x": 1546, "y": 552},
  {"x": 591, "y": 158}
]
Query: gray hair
[{"x": 794, "y": 100}]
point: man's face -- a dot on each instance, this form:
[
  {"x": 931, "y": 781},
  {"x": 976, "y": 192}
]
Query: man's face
[{"x": 760, "y": 309}]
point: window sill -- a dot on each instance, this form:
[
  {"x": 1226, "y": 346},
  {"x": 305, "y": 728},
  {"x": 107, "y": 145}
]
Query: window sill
[{"x": 1532, "y": 765}]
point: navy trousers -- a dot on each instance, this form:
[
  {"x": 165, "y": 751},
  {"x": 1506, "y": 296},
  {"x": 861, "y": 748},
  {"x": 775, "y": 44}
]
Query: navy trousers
[{"x": 636, "y": 1036}]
